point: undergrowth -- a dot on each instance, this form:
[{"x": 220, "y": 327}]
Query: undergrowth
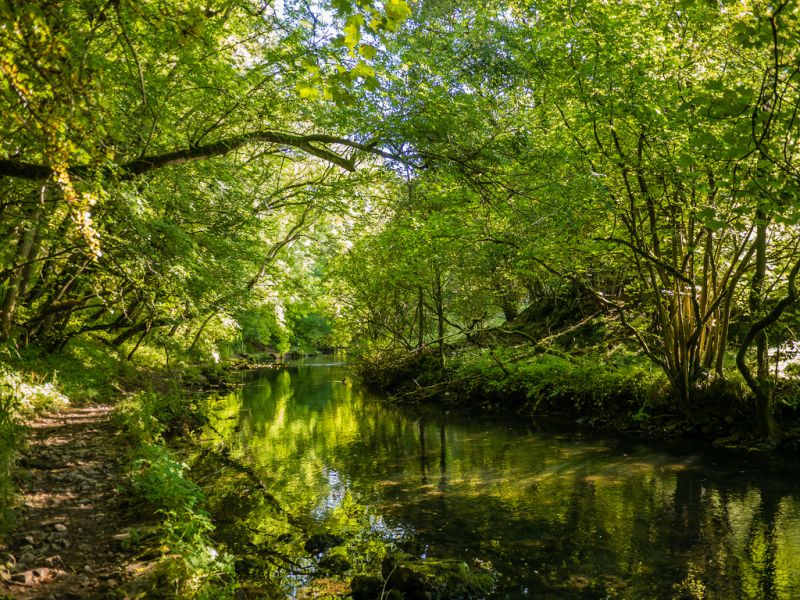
[
  {"x": 555, "y": 383},
  {"x": 33, "y": 381},
  {"x": 190, "y": 565},
  {"x": 23, "y": 395},
  {"x": 10, "y": 433},
  {"x": 605, "y": 386}
]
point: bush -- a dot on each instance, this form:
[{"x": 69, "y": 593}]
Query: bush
[
  {"x": 84, "y": 371},
  {"x": 190, "y": 564},
  {"x": 149, "y": 417},
  {"x": 399, "y": 371},
  {"x": 10, "y": 436},
  {"x": 137, "y": 416}
]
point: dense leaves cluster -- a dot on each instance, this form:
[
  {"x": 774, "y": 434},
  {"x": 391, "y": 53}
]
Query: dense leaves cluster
[
  {"x": 158, "y": 167},
  {"x": 641, "y": 156}
]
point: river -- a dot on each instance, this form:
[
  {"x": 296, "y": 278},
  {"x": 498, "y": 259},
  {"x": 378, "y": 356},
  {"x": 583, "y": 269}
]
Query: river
[{"x": 558, "y": 515}]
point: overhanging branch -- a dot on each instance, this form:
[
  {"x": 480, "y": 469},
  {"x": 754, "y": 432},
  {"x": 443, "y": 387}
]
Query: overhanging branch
[{"x": 315, "y": 145}]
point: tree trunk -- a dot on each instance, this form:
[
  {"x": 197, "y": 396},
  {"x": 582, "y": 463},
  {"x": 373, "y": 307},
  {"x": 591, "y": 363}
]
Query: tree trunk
[
  {"x": 439, "y": 316},
  {"x": 138, "y": 343},
  {"x": 765, "y": 413},
  {"x": 764, "y": 401},
  {"x": 17, "y": 282},
  {"x": 421, "y": 319},
  {"x": 200, "y": 332}
]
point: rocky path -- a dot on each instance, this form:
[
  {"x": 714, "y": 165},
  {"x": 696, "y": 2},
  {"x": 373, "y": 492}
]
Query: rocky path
[{"x": 68, "y": 542}]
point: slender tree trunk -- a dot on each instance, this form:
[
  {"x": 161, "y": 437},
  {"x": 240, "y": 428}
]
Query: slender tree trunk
[
  {"x": 48, "y": 269},
  {"x": 725, "y": 317},
  {"x": 200, "y": 332},
  {"x": 27, "y": 271},
  {"x": 138, "y": 343},
  {"x": 439, "y": 316},
  {"x": 765, "y": 413},
  {"x": 17, "y": 283},
  {"x": 71, "y": 275},
  {"x": 130, "y": 332},
  {"x": 421, "y": 319},
  {"x": 767, "y": 425}
]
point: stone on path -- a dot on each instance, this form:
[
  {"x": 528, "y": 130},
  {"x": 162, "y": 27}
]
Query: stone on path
[{"x": 72, "y": 469}]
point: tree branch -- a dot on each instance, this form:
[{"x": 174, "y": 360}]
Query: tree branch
[
  {"x": 653, "y": 259},
  {"x": 314, "y": 144},
  {"x": 759, "y": 326}
]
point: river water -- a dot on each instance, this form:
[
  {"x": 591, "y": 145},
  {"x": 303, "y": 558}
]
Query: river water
[{"x": 558, "y": 515}]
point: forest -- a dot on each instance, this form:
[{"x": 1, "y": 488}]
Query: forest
[{"x": 573, "y": 209}]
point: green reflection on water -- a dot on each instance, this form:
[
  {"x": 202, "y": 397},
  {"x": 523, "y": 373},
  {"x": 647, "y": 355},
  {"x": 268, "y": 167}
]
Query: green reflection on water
[{"x": 557, "y": 516}]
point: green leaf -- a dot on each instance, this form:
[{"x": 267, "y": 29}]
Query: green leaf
[
  {"x": 397, "y": 10},
  {"x": 362, "y": 69},
  {"x": 310, "y": 66},
  {"x": 308, "y": 92},
  {"x": 367, "y": 51},
  {"x": 341, "y": 7},
  {"x": 352, "y": 31}
]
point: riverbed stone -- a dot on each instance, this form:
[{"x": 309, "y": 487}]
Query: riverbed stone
[
  {"x": 436, "y": 579},
  {"x": 320, "y": 542},
  {"x": 335, "y": 564}
]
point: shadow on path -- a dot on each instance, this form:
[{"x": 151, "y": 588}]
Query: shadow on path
[{"x": 68, "y": 542}]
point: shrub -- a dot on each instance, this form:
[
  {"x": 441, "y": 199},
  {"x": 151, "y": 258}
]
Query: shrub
[
  {"x": 10, "y": 435},
  {"x": 148, "y": 416}
]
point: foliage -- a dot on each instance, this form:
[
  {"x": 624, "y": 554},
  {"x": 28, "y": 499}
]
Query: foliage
[
  {"x": 639, "y": 154},
  {"x": 28, "y": 395},
  {"x": 10, "y": 434},
  {"x": 83, "y": 371},
  {"x": 191, "y": 565},
  {"x": 100, "y": 102},
  {"x": 590, "y": 386},
  {"x": 141, "y": 416},
  {"x": 26, "y": 390},
  {"x": 191, "y": 182}
]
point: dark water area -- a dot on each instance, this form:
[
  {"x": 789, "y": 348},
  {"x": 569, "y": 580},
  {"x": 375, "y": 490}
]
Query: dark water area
[{"x": 558, "y": 515}]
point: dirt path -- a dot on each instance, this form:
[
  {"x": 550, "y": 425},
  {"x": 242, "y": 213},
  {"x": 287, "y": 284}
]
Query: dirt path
[{"x": 68, "y": 542}]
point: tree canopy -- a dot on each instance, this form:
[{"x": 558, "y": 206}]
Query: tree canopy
[{"x": 203, "y": 175}]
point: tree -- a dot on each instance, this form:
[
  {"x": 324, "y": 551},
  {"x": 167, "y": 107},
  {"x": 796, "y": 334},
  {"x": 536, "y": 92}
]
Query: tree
[{"x": 128, "y": 127}]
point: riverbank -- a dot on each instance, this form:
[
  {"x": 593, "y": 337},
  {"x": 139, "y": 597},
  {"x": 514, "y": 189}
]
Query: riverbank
[
  {"x": 94, "y": 503},
  {"x": 105, "y": 509},
  {"x": 613, "y": 391},
  {"x": 107, "y": 504}
]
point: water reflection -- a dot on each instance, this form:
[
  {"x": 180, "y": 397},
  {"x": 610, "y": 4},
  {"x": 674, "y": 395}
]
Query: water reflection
[{"x": 558, "y": 516}]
